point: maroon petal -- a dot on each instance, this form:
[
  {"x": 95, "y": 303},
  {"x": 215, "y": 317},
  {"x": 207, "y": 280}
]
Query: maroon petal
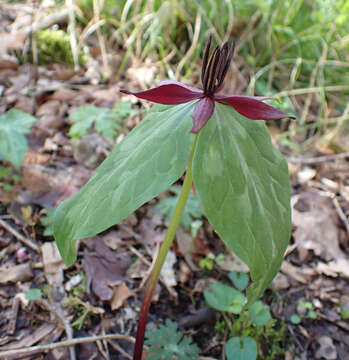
[
  {"x": 202, "y": 112},
  {"x": 252, "y": 107},
  {"x": 168, "y": 93}
]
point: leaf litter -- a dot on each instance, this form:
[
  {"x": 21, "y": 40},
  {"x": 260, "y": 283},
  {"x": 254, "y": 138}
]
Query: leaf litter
[{"x": 316, "y": 267}]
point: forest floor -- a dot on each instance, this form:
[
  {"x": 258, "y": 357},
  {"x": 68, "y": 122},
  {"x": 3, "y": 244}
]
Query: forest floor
[{"x": 101, "y": 293}]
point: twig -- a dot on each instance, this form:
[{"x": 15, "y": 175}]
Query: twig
[
  {"x": 72, "y": 36},
  {"x": 309, "y": 90},
  {"x": 84, "y": 340},
  {"x": 341, "y": 214},
  {"x": 119, "y": 349},
  {"x": 67, "y": 327},
  {"x": 317, "y": 159},
  {"x": 47, "y": 21},
  {"x": 19, "y": 236},
  {"x": 96, "y": 13},
  {"x": 11, "y": 328},
  {"x": 130, "y": 231}
]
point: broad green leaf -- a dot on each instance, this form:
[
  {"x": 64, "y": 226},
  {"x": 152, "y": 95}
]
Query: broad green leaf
[
  {"x": 241, "y": 348},
  {"x": 13, "y": 144},
  {"x": 239, "y": 279},
  {"x": 243, "y": 185},
  {"x": 151, "y": 157},
  {"x": 259, "y": 313},
  {"x": 225, "y": 298}
]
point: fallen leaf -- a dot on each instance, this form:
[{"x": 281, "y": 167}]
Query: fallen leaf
[
  {"x": 327, "y": 349},
  {"x": 53, "y": 264},
  {"x": 335, "y": 267},
  {"x": 120, "y": 294},
  {"x": 167, "y": 272},
  {"x": 316, "y": 226},
  {"x": 301, "y": 275},
  {"x": 16, "y": 273},
  {"x": 280, "y": 282},
  {"x": 103, "y": 269},
  {"x": 185, "y": 245}
]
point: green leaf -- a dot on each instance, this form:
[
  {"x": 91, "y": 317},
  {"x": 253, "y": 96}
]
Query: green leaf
[
  {"x": 13, "y": 145},
  {"x": 225, "y": 298},
  {"x": 193, "y": 208},
  {"x": 241, "y": 348},
  {"x": 239, "y": 279},
  {"x": 259, "y": 313},
  {"x": 295, "y": 319},
  {"x": 104, "y": 120},
  {"x": 165, "y": 343},
  {"x": 243, "y": 185},
  {"x": 151, "y": 157},
  {"x": 33, "y": 294}
]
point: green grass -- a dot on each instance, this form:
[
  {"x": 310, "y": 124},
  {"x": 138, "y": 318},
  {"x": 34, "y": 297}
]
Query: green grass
[{"x": 295, "y": 49}]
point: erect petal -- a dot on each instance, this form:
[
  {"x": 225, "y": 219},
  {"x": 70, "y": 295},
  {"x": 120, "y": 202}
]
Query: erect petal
[
  {"x": 168, "y": 93},
  {"x": 202, "y": 112},
  {"x": 252, "y": 107}
]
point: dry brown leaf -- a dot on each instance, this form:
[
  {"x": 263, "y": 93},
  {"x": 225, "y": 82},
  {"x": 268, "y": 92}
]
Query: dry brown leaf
[
  {"x": 32, "y": 337},
  {"x": 120, "y": 294},
  {"x": 327, "y": 349},
  {"x": 103, "y": 268},
  {"x": 185, "y": 245},
  {"x": 167, "y": 272},
  {"x": 302, "y": 275},
  {"x": 16, "y": 273},
  {"x": 53, "y": 264},
  {"x": 335, "y": 267},
  {"x": 316, "y": 226}
]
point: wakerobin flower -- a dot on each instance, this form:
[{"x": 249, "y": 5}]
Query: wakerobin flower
[{"x": 214, "y": 70}]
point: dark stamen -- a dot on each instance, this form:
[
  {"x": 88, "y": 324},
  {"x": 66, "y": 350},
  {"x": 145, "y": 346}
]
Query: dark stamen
[
  {"x": 215, "y": 66},
  {"x": 205, "y": 58},
  {"x": 208, "y": 70},
  {"x": 213, "y": 73},
  {"x": 227, "y": 64}
]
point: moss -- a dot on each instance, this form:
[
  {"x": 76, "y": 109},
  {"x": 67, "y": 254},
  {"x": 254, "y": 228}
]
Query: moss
[{"x": 54, "y": 47}]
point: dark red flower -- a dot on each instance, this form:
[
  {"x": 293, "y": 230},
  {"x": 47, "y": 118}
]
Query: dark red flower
[{"x": 214, "y": 70}]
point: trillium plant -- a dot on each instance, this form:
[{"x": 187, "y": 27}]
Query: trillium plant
[{"x": 226, "y": 152}]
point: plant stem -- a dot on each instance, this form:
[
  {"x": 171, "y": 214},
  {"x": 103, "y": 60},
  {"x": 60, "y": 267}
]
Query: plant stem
[{"x": 154, "y": 276}]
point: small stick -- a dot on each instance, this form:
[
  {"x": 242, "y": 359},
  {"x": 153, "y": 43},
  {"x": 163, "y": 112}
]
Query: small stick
[
  {"x": 41, "y": 348},
  {"x": 119, "y": 349},
  {"x": 19, "y": 236},
  {"x": 341, "y": 214},
  {"x": 11, "y": 328},
  {"x": 317, "y": 159}
]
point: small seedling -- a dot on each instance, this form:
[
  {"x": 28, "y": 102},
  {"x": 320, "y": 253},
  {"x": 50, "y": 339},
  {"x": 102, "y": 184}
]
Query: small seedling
[
  {"x": 246, "y": 326},
  {"x": 241, "y": 348},
  {"x": 305, "y": 310},
  {"x": 105, "y": 121},
  {"x": 209, "y": 260},
  {"x": 193, "y": 209},
  {"x": 47, "y": 222},
  {"x": 33, "y": 294},
  {"x": 167, "y": 343},
  {"x": 13, "y": 144}
]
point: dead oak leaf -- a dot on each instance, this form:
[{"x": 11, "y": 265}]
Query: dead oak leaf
[
  {"x": 103, "y": 269},
  {"x": 316, "y": 226}
]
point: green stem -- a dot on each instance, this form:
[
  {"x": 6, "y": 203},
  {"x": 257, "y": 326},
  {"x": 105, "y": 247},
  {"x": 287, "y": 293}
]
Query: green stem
[{"x": 154, "y": 276}]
